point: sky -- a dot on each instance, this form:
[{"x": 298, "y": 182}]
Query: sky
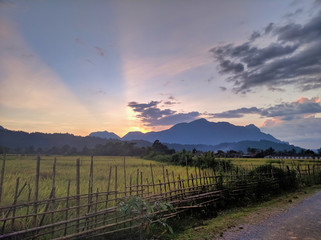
[{"x": 145, "y": 65}]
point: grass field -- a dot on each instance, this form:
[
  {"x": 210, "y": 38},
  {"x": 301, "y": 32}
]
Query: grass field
[{"x": 24, "y": 167}]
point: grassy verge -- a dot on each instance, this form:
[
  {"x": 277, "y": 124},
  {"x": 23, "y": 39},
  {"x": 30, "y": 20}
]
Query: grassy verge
[{"x": 192, "y": 229}]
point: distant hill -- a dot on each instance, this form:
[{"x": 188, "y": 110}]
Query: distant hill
[
  {"x": 20, "y": 139},
  {"x": 104, "y": 134},
  {"x": 237, "y": 146},
  {"x": 203, "y": 132}
]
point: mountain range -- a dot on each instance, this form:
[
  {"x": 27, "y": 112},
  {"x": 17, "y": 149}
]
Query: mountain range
[
  {"x": 199, "y": 131},
  {"x": 200, "y": 134}
]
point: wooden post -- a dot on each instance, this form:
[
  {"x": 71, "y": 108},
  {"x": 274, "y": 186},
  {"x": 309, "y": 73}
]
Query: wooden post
[
  {"x": 160, "y": 188},
  {"x": 192, "y": 181},
  {"x": 96, "y": 205},
  {"x": 164, "y": 182},
  {"x": 141, "y": 184},
  {"x": 173, "y": 177},
  {"x": 147, "y": 186},
  {"x": 78, "y": 192},
  {"x": 67, "y": 208},
  {"x": 125, "y": 177},
  {"x": 187, "y": 172},
  {"x": 137, "y": 183},
  {"x": 14, "y": 203},
  {"x": 196, "y": 177},
  {"x": 29, "y": 199},
  {"x": 108, "y": 187},
  {"x": 53, "y": 192},
  {"x": 130, "y": 185},
  {"x": 151, "y": 171},
  {"x": 169, "y": 184},
  {"x": 2, "y": 175},
  {"x": 116, "y": 190},
  {"x": 90, "y": 184},
  {"x": 35, "y": 208}
]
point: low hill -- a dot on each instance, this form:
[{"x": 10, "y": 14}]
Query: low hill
[{"x": 104, "y": 134}]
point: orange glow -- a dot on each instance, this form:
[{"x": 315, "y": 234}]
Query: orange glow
[
  {"x": 138, "y": 129},
  {"x": 303, "y": 100}
]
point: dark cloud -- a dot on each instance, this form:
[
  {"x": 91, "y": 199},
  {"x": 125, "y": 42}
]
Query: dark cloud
[
  {"x": 229, "y": 67},
  {"x": 294, "y": 14},
  {"x": 223, "y": 88},
  {"x": 288, "y": 111},
  {"x": 268, "y": 28},
  {"x": 237, "y": 113},
  {"x": 303, "y": 132},
  {"x": 294, "y": 58},
  {"x": 152, "y": 115},
  {"x": 100, "y": 51},
  {"x": 138, "y": 107},
  {"x": 255, "y": 35},
  {"x": 283, "y": 111}
]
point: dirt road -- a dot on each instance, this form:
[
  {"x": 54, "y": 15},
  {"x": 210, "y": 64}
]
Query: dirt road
[{"x": 302, "y": 222}]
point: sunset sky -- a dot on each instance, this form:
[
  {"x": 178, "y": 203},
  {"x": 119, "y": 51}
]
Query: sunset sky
[{"x": 143, "y": 65}]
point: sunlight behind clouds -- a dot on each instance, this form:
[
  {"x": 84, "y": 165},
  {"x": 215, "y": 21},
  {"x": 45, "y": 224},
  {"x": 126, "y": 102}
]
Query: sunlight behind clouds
[{"x": 29, "y": 85}]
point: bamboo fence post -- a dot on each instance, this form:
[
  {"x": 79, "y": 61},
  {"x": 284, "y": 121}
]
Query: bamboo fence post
[
  {"x": 169, "y": 184},
  {"x": 160, "y": 188},
  {"x": 108, "y": 186},
  {"x": 67, "y": 207},
  {"x": 199, "y": 173},
  {"x": 116, "y": 190},
  {"x": 141, "y": 184},
  {"x": 90, "y": 184},
  {"x": 151, "y": 171},
  {"x": 147, "y": 187},
  {"x": 53, "y": 192},
  {"x": 192, "y": 181},
  {"x": 14, "y": 202},
  {"x": 196, "y": 177},
  {"x": 96, "y": 206},
  {"x": 187, "y": 172},
  {"x": 2, "y": 175},
  {"x": 46, "y": 208},
  {"x": 180, "y": 186},
  {"x": 125, "y": 177},
  {"x": 174, "y": 183},
  {"x": 130, "y": 185},
  {"x": 13, "y": 207},
  {"x": 78, "y": 193},
  {"x": 164, "y": 182},
  {"x": 29, "y": 198},
  {"x": 35, "y": 206},
  {"x": 137, "y": 182}
]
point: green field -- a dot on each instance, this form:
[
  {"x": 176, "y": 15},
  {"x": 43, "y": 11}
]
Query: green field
[{"x": 24, "y": 167}]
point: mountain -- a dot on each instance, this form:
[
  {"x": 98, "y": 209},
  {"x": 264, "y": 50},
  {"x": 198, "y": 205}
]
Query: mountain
[
  {"x": 20, "y": 139},
  {"x": 104, "y": 134},
  {"x": 202, "y": 131}
]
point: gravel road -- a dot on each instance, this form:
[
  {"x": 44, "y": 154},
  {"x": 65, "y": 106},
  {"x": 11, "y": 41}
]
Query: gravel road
[{"x": 302, "y": 222}]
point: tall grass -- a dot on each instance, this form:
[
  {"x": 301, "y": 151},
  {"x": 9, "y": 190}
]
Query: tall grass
[{"x": 24, "y": 167}]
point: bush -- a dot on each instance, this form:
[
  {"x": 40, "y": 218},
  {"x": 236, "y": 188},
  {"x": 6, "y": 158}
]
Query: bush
[{"x": 287, "y": 179}]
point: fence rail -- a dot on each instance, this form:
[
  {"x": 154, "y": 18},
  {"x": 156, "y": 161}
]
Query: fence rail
[{"x": 96, "y": 213}]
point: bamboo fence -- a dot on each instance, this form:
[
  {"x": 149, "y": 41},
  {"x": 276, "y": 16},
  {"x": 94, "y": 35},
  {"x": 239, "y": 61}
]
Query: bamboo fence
[{"x": 96, "y": 213}]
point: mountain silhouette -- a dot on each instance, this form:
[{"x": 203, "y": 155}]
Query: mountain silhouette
[
  {"x": 202, "y": 131},
  {"x": 104, "y": 134}
]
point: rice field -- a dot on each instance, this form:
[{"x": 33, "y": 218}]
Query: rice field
[{"x": 24, "y": 168}]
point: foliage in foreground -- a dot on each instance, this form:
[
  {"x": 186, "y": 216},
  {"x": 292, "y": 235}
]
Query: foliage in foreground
[{"x": 152, "y": 219}]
